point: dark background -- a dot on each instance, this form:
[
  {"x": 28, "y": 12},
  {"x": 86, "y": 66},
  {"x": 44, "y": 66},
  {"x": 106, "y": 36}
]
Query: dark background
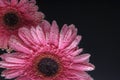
[{"x": 98, "y": 22}]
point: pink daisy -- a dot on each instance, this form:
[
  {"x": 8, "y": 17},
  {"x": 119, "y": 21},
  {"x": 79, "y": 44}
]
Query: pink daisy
[
  {"x": 42, "y": 53},
  {"x": 15, "y": 14}
]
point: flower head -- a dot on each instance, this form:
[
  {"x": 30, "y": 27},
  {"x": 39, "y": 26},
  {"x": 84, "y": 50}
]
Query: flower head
[
  {"x": 42, "y": 53},
  {"x": 15, "y": 14}
]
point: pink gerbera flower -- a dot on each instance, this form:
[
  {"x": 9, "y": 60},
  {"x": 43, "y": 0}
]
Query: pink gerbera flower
[
  {"x": 42, "y": 53},
  {"x": 15, "y": 14}
]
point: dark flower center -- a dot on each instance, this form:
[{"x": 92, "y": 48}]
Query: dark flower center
[
  {"x": 11, "y": 19},
  {"x": 48, "y": 67}
]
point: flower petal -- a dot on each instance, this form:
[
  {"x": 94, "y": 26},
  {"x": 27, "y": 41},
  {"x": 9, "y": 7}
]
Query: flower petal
[
  {"x": 80, "y": 76},
  {"x": 67, "y": 35},
  {"x": 81, "y": 58},
  {"x": 6, "y": 64},
  {"x": 4, "y": 41},
  {"x": 14, "y": 2},
  {"x": 18, "y": 46},
  {"x": 74, "y": 43},
  {"x": 23, "y": 78},
  {"x": 41, "y": 35},
  {"x": 62, "y": 34},
  {"x": 45, "y": 25},
  {"x": 21, "y": 2},
  {"x": 34, "y": 35},
  {"x": 2, "y": 4},
  {"x": 54, "y": 34},
  {"x": 9, "y": 74},
  {"x": 14, "y": 60},
  {"x": 82, "y": 66},
  {"x": 77, "y": 52},
  {"x": 25, "y": 35},
  {"x": 16, "y": 55}
]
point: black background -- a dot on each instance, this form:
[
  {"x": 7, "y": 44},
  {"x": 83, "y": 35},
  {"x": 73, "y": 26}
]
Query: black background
[{"x": 98, "y": 22}]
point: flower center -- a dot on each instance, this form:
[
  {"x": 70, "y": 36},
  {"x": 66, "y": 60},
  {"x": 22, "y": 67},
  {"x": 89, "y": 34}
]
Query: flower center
[
  {"x": 11, "y": 19},
  {"x": 48, "y": 67}
]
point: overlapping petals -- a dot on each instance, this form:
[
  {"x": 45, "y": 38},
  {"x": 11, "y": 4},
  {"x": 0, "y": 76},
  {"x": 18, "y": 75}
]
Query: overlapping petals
[{"x": 46, "y": 40}]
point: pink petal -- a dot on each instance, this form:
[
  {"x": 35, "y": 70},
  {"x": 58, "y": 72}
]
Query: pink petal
[
  {"x": 69, "y": 32},
  {"x": 74, "y": 43},
  {"x": 41, "y": 35},
  {"x": 14, "y": 60},
  {"x": 14, "y": 2},
  {"x": 77, "y": 52},
  {"x": 21, "y": 2},
  {"x": 67, "y": 37},
  {"x": 82, "y": 67},
  {"x": 2, "y": 4},
  {"x": 32, "y": 7},
  {"x": 27, "y": 37},
  {"x": 18, "y": 46},
  {"x": 9, "y": 74},
  {"x": 83, "y": 76},
  {"x": 6, "y": 64},
  {"x": 81, "y": 58},
  {"x": 6, "y": 2},
  {"x": 38, "y": 16},
  {"x": 4, "y": 41},
  {"x": 23, "y": 78},
  {"x": 22, "y": 9},
  {"x": 45, "y": 25},
  {"x": 32, "y": 1},
  {"x": 14, "y": 55},
  {"x": 54, "y": 34},
  {"x": 34, "y": 35},
  {"x": 62, "y": 34}
]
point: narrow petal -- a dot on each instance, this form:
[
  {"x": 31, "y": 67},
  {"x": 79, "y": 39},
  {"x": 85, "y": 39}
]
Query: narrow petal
[
  {"x": 80, "y": 76},
  {"x": 81, "y": 58},
  {"x": 23, "y": 78},
  {"x": 6, "y": 2},
  {"x": 21, "y": 2},
  {"x": 40, "y": 34},
  {"x": 2, "y": 4},
  {"x": 6, "y": 64},
  {"x": 77, "y": 52},
  {"x": 33, "y": 1},
  {"x": 4, "y": 41},
  {"x": 69, "y": 32},
  {"x": 74, "y": 43},
  {"x": 45, "y": 25},
  {"x": 39, "y": 16},
  {"x": 14, "y": 55},
  {"x": 62, "y": 34},
  {"x": 32, "y": 7},
  {"x": 84, "y": 76},
  {"x": 68, "y": 37},
  {"x": 71, "y": 75},
  {"x": 27, "y": 37},
  {"x": 54, "y": 33},
  {"x": 18, "y": 46},
  {"x": 14, "y": 60},
  {"x": 14, "y": 2},
  {"x": 34, "y": 35},
  {"x": 9, "y": 74},
  {"x": 83, "y": 67}
]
